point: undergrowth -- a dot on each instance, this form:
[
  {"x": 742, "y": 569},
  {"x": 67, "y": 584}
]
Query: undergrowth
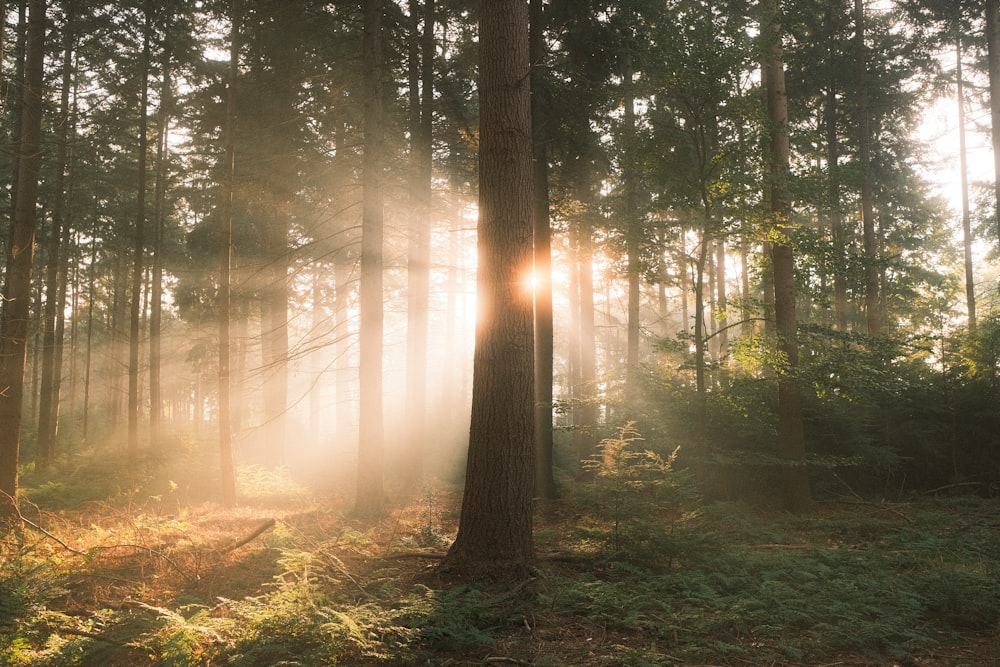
[{"x": 642, "y": 574}]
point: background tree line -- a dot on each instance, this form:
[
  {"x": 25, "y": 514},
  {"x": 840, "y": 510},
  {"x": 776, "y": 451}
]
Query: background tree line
[{"x": 805, "y": 313}]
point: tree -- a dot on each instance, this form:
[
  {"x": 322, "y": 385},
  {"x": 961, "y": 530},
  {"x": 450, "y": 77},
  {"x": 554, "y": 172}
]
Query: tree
[
  {"x": 228, "y": 468},
  {"x": 371, "y": 427},
  {"x": 48, "y": 409},
  {"x": 872, "y": 310},
  {"x": 422, "y": 45},
  {"x": 993, "y": 59},
  {"x": 542, "y": 270},
  {"x": 17, "y": 297},
  {"x": 494, "y": 538},
  {"x": 791, "y": 439},
  {"x": 138, "y": 265}
]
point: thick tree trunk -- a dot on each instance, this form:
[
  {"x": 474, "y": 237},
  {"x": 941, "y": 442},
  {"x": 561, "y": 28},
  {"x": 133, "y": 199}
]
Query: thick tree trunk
[
  {"x": 16, "y": 310},
  {"x": 791, "y": 438},
  {"x": 495, "y": 527},
  {"x": 371, "y": 428}
]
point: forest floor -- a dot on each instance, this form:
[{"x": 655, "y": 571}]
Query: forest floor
[{"x": 144, "y": 571}]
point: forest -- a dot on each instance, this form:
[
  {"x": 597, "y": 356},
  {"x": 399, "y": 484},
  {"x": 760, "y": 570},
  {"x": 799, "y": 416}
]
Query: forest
[{"x": 516, "y": 332}]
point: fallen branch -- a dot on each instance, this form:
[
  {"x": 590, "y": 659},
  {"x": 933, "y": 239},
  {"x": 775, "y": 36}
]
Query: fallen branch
[
  {"x": 261, "y": 529},
  {"x": 31, "y": 524}
]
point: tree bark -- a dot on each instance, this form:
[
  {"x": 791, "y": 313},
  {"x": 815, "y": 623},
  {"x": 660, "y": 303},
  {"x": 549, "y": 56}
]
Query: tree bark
[
  {"x": 495, "y": 527},
  {"x": 419, "y": 246},
  {"x": 993, "y": 57},
  {"x": 870, "y": 240},
  {"x": 17, "y": 298},
  {"x": 791, "y": 437},
  {"x": 48, "y": 409},
  {"x": 139, "y": 248},
  {"x": 632, "y": 231},
  {"x": 970, "y": 282},
  {"x": 227, "y": 463},
  {"x": 159, "y": 214},
  {"x": 371, "y": 428},
  {"x": 545, "y": 486}
]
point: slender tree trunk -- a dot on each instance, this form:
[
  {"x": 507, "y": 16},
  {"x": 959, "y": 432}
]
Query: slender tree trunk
[
  {"x": 970, "y": 283},
  {"x": 721, "y": 300},
  {"x": 139, "y": 249},
  {"x": 16, "y": 310},
  {"x": 747, "y": 327},
  {"x": 791, "y": 437},
  {"x": 545, "y": 486},
  {"x": 684, "y": 284},
  {"x": 993, "y": 50},
  {"x": 346, "y": 428},
  {"x": 870, "y": 239},
  {"x": 371, "y": 455},
  {"x": 419, "y": 250},
  {"x": 588, "y": 331},
  {"x": 833, "y": 207},
  {"x": 663, "y": 309},
  {"x": 48, "y": 408},
  {"x": 699, "y": 331},
  {"x": 159, "y": 214},
  {"x": 228, "y": 466},
  {"x": 632, "y": 231},
  {"x": 494, "y": 538},
  {"x": 89, "y": 353}
]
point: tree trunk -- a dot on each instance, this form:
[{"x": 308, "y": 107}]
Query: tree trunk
[
  {"x": 16, "y": 95},
  {"x": 721, "y": 300},
  {"x": 48, "y": 408},
  {"x": 370, "y": 448},
  {"x": 993, "y": 49},
  {"x": 17, "y": 298},
  {"x": 632, "y": 233},
  {"x": 970, "y": 283},
  {"x": 791, "y": 438},
  {"x": 587, "y": 404},
  {"x": 833, "y": 207},
  {"x": 228, "y": 467},
  {"x": 139, "y": 248},
  {"x": 495, "y": 527},
  {"x": 701, "y": 390},
  {"x": 156, "y": 301},
  {"x": 870, "y": 240},
  {"x": 545, "y": 486},
  {"x": 419, "y": 248}
]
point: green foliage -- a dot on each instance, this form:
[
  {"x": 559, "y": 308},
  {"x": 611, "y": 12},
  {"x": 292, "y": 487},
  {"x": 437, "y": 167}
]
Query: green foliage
[
  {"x": 459, "y": 619},
  {"x": 29, "y": 581},
  {"x": 640, "y": 502}
]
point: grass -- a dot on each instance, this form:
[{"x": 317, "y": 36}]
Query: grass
[{"x": 153, "y": 578}]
